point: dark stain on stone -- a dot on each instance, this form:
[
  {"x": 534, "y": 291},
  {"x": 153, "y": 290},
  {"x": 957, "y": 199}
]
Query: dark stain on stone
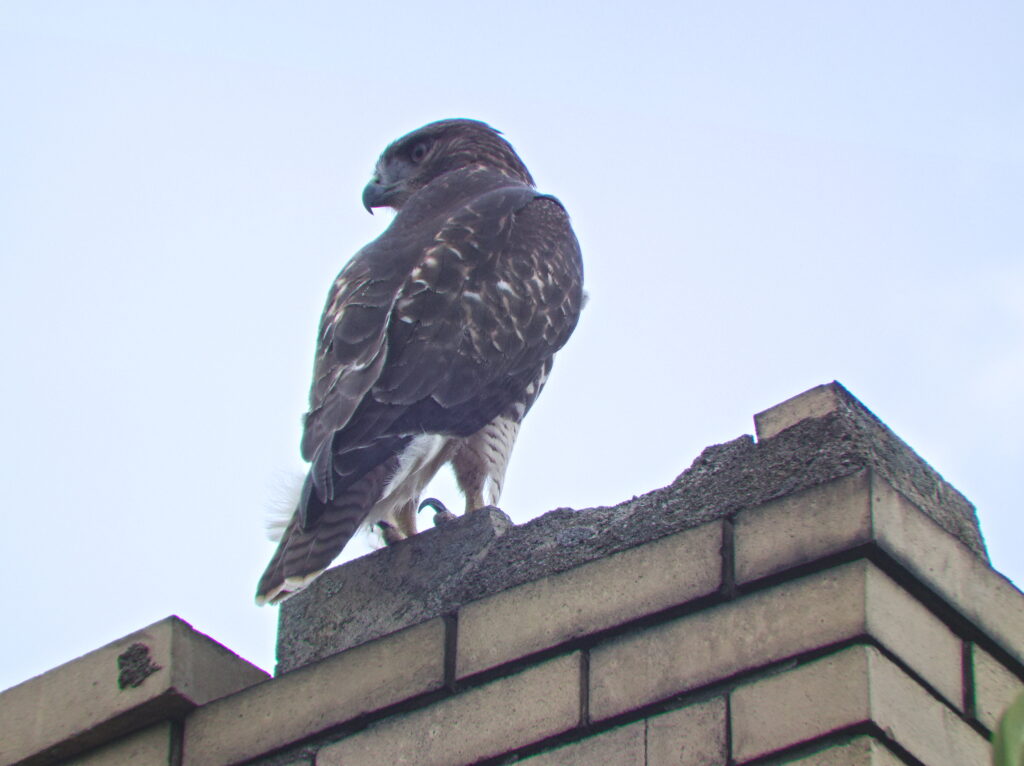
[{"x": 135, "y": 666}]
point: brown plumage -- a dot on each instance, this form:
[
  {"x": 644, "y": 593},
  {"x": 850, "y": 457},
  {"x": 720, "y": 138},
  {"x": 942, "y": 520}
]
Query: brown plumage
[{"x": 436, "y": 339}]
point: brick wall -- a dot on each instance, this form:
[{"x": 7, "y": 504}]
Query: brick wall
[{"x": 817, "y": 597}]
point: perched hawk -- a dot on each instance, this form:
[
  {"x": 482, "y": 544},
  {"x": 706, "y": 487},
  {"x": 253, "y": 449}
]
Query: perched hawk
[{"x": 436, "y": 339}]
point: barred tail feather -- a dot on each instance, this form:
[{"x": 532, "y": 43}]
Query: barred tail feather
[{"x": 303, "y": 554}]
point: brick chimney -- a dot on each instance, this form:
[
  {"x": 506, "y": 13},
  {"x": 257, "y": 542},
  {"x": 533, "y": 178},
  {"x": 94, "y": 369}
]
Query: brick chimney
[{"x": 818, "y": 596}]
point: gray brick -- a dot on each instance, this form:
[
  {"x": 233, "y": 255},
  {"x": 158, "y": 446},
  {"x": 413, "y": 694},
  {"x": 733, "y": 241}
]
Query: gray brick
[
  {"x": 690, "y": 736},
  {"x": 149, "y": 747},
  {"x": 995, "y": 687},
  {"x": 504, "y": 715},
  {"x": 771, "y": 625},
  {"x": 623, "y": 746},
  {"x": 854, "y": 686},
  {"x": 946, "y": 565},
  {"x": 168, "y": 668},
  {"x": 803, "y": 527},
  {"x": 863, "y": 507},
  {"x": 920, "y": 639},
  {"x": 601, "y": 594},
  {"x": 317, "y": 696},
  {"x": 813, "y": 403},
  {"x": 861, "y": 751}
]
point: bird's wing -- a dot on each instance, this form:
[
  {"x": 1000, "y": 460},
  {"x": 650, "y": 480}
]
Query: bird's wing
[
  {"x": 439, "y": 330},
  {"x": 492, "y": 299},
  {"x": 445, "y": 340},
  {"x": 352, "y": 342}
]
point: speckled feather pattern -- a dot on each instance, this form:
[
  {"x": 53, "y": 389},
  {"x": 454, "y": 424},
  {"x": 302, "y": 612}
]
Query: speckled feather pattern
[{"x": 443, "y": 326}]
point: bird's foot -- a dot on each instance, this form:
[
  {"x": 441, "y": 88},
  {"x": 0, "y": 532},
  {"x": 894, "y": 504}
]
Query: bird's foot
[
  {"x": 441, "y": 513},
  {"x": 389, "y": 532}
]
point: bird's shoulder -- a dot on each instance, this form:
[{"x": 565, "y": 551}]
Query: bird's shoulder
[{"x": 467, "y": 192}]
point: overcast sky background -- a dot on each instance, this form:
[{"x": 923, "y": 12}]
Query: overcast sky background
[{"x": 769, "y": 196}]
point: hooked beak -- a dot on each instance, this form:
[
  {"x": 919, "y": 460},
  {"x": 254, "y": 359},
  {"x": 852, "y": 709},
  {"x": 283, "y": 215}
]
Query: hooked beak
[{"x": 376, "y": 194}]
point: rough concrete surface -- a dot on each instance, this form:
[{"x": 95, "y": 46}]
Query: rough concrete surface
[
  {"x": 389, "y": 589},
  {"x": 483, "y": 553}
]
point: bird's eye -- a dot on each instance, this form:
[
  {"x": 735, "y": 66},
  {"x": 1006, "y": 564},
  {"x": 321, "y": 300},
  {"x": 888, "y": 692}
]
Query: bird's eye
[{"x": 418, "y": 152}]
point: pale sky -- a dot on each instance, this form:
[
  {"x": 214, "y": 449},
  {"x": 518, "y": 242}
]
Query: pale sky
[{"x": 769, "y": 196}]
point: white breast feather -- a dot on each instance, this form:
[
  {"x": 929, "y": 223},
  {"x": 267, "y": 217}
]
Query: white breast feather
[{"x": 417, "y": 465}]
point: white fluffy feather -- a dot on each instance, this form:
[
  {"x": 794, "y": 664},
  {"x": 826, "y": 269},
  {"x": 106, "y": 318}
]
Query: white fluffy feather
[{"x": 282, "y": 504}]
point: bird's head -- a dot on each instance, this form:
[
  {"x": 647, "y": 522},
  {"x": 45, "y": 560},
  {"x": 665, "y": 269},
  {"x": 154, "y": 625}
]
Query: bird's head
[{"x": 416, "y": 159}]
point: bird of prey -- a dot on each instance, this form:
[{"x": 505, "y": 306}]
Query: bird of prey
[{"x": 436, "y": 340}]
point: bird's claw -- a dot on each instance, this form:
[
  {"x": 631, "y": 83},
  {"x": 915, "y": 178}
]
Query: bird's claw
[
  {"x": 390, "y": 532},
  {"x": 441, "y": 513}
]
